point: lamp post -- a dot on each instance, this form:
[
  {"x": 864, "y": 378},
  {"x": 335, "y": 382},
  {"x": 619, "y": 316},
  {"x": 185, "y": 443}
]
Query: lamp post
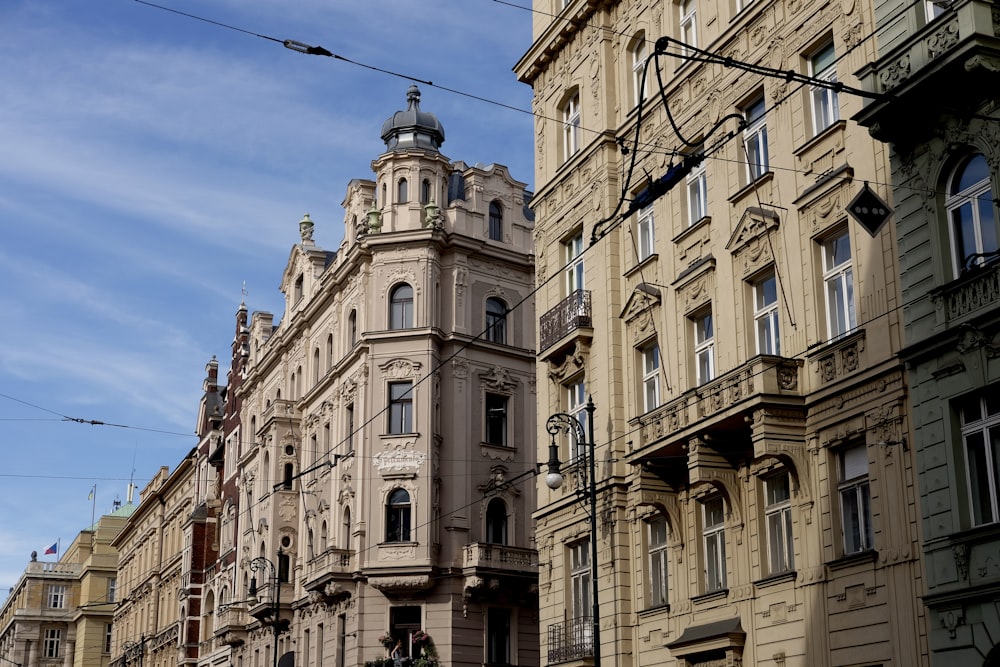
[
  {"x": 562, "y": 422},
  {"x": 263, "y": 564}
]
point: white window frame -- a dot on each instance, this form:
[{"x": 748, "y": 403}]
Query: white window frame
[
  {"x": 713, "y": 533},
  {"x": 975, "y": 201},
  {"x": 573, "y": 251},
  {"x": 650, "y": 357},
  {"x": 658, "y": 560},
  {"x": 825, "y": 103},
  {"x": 639, "y": 56},
  {"x": 576, "y": 403},
  {"x": 838, "y": 284},
  {"x": 855, "y": 500},
  {"x": 401, "y": 307},
  {"x": 57, "y": 596},
  {"x": 495, "y": 314},
  {"x": 704, "y": 347},
  {"x": 755, "y": 139},
  {"x": 580, "y": 583},
  {"x": 688, "y": 12},
  {"x": 400, "y": 396},
  {"x": 778, "y": 522},
  {"x": 697, "y": 194},
  {"x": 646, "y": 231},
  {"x": 765, "y": 314},
  {"x": 934, "y": 9},
  {"x": 52, "y": 642},
  {"x": 571, "y": 126},
  {"x": 112, "y": 589},
  {"x": 981, "y": 442}
]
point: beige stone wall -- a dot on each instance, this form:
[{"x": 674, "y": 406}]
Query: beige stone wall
[{"x": 792, "y": 413}]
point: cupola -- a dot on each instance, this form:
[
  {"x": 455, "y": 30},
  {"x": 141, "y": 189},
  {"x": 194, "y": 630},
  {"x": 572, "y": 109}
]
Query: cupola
[{"x": 412, "y": 128}]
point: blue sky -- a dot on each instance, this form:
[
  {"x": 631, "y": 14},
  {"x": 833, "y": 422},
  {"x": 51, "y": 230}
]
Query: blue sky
[{"x": 149, "y": 165}]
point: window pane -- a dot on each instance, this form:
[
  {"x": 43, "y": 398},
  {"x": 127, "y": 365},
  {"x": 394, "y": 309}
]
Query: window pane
[
  {"x": 979, "y": 479},
  {"x": 854, "y": 463},
  {"x": 975, "y": 170}
]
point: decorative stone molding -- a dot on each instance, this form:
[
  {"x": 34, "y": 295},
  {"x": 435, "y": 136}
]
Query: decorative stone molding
[
  {"x": 399, "y": 459},
  {"x": 573, "y": 363},
  {"x": 498, "y": 379},
  {"x": 401, "y": 584},
  {"x": 398, "y": 369},
  {"x": 961, "y": 554}
]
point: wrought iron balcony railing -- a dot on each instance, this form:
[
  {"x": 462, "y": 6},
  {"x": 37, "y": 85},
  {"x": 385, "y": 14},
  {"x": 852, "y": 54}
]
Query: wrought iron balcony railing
[
  {"x": 571, "y": 640},
  {"x": 568, "y": 315}
]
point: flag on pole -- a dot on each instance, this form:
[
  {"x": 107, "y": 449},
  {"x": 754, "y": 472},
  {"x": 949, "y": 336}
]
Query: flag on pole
[
  {"x": 54, "y": 549},
  {"x": 90, "y": 496}
]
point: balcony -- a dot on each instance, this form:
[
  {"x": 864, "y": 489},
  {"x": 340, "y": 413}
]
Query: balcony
[
  {"x": 775, "y": 379},
  {"x": 231, "y": 623},
  {"x": 961, "y": 300},
  {"x": 326, "y": 573},
  {"x": 569, "y": 315},
  {"x": 500, "y": 558},
  {"x": 571, "y": 640}
]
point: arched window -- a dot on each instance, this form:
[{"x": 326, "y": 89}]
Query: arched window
[
  {"x": 639, "y": 53},
  {"x": 284, "y": 569},
  {"x": 316, "y": 366},
  {"x": 496, "y": 221},
  {"x": 323, "y": 536},
  {"x": 973, "y": 217},
  {"x": 401, "y": 312},
  {"x": 208, "y": 628},
  {"x": 329, "y": 351},
  {"x": 496, "y": 522},
  {"x": 298, "y": 385},
  {"x": 352, "y": 327},
  {"x": 403, "y": 194},
  {"x": 571, "y": 126},
  {"x": 496, "y": 321},
  {"x": 397, "y": 517},
  {"x": 425, "y": 191}
]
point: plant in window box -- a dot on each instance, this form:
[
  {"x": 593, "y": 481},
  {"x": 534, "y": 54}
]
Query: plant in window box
[{"x": 386, "y": 640}]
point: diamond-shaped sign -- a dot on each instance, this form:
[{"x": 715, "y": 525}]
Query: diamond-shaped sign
[{"x": 869, "y": 210}]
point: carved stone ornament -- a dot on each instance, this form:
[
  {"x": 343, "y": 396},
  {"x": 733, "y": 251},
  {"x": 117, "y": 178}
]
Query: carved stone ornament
[
  {"x": 961, "y": 554},
  {"x": 574, "y": 362},
  {"x": 399, "y": 369},
  {"x": 499, "y": 379},
  {"x": 410, "y": 584},
  {"x": 398, "y": 460}
]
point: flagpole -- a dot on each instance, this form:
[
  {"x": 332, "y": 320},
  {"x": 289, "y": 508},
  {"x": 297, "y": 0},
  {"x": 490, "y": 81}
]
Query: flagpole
[{"x": 93, "y": 511}]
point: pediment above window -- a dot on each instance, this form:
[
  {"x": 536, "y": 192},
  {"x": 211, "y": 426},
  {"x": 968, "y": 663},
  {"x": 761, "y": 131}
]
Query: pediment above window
[
  {"x": 753, "y": 227},
  {"x": 643, "y": 299}
]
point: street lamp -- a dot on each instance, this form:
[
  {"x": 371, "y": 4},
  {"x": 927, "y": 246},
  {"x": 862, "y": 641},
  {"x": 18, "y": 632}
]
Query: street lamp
[
  {"x": 263, "y": 564},
  {"x": 562, "y": 422}
]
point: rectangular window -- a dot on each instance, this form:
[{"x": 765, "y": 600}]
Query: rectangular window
[
  {"x": 112, "y": 590},
  {"x": 496, "y": 420},
  {"x": 51, "y": 641},
  {"x": 650, "y": 377},
  {"x": 980, "y": 419},
  {"x": 646, "y": 233},
  {"x": 855, "y": 500},
  {"x": 400, "y": 407},
  {"x": 838, "y": 276},
  {"x": 658, "y": 562},
  {"x": 573, "y": 252},
  {"x": 57, "y": 596},
  {"x": 107, "y": 637},
  {"x": 778, "y": 518},
  {"x": 697, "y": 194},
  {"x": 580, "y": 583},
  {"x": 765, "y": 315},
  {"x": 714, "y": 544},
  {"x": 825, "y": 106},
  {"x": 576, "y": 400},
  {"x": 704, "y": 347},
  {"x": 755, "y": 140},
  {"x": 571, "y": 127},
  {"x": 349, "y": 419},
  {"x": 497, "y": 636},
  {"x": 688, "y": 23},
  {"x": 639, "y": 56}
]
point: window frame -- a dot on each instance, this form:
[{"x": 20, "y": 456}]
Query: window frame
[
  {"x": 838, "y": 275},
  {"x": 854, "y": 497},
  {"x": 571, "y": 126},
  {"x": 402, "y": 191},
  {"x": 398, "y": 516},
  {"x": 56, "y": 596},
  {"x": 580, "y": 605},
  {"x": 497, "y": 527},
  {"x": 401, "y": 307},
  {"x": 646, "y": 233},
  {"x": 499, "y": 621},
  {"x": 638, "y": 54},
  {"x": 778, "y": 523},
  {"x": 495, "y": 423},
  {"x": 658, "y": 559},
  {"x": 688, "y": 24},
  {"x": 713, "y": 545},
  {"x": 978, "y": 197},
  {"x": 767, "y": 319},
  {"x": 576, "y": 403},
  {"x": 984, "y": 428},
  {"x": 704, "y": 346},
  {"x": 824, "y": 102},
  {"x": 697, "y": 194},
  {"x": 650, "y": 360},
  {"x": 495, "y": 227},
  {"x": 755, "y": 151},
  {"x": 495, "y": 314},
  {"x": 575, "y": 268},
  {"x": 52, "y": 643},
  {"x": 400, "y": 414}
]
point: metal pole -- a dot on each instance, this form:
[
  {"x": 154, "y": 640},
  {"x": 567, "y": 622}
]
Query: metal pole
[
  {"x": 596, "y": 607},
  {"x": 276, "y": 601}
]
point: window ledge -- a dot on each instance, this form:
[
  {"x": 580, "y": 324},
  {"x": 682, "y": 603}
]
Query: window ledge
[
  {"x": 658, "y": 609},
  {"x": 690, "y": 229},
  {"x": 720, "y": 594},
  {"x": 766, "y": 177},
  {"x": 850, "y": 560},
  {"x": 775, "y": 579},
  {"x": 833, "y": 128}
]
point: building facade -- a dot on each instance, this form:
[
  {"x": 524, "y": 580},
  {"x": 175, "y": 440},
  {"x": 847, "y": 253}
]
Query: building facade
[
  {"x": 60, "y": 613},
  {"x": 701, "y": 278},
  {"x": 939, "y": 67},
  {"x": 386, "y": 460}
]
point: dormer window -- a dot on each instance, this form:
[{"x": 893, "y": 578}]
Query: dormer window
[{"x": 298, "y": 291}]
